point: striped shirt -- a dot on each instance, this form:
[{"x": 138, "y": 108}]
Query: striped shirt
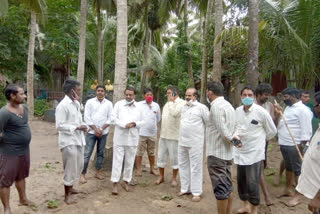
[{"x": 220, "y": 129}]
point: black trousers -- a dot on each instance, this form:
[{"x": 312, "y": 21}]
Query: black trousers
[{"x": 248, "y": 178}]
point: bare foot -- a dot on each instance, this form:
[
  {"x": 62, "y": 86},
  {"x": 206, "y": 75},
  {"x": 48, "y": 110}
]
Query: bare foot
[
  {"x": 26, "y": 202},
  {"x": 174, "y": 183},
  {"x": 244, "y": 209},
  {"x": 138, "y": 174},
  {"x": 286, "y": 193},
  {"x": 183, "y": 193},
  {"x": 99, "y": 176},
  {"x": 82, "y": 179},
  {"x": 75, "y": 191},
  {"x": 196, "y": 199},
  {"x": 294, "y": 202},
  {"x": 160, "y": 180},
  {"x": 125, "y": 186},
  {"x": 115, "y": 189},
  {"x": 268, "y": 201},
  {"x": 7, "y": 211},
  {"x": 68, "y": 200},
  {"x": 153, "y": 172}
]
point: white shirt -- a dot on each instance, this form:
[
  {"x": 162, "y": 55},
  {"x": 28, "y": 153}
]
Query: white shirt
[
  {"x": 68, "y": 118},
  {"x": 151, "y": 116},
  {"x": 298, "y": 117},
  {"x": 123, "y": 114},
  {"x": 220, "y": 129},
  {"x": 98, "y": 113},
  {"x": 170, "y": 123},
  {"x": 253, "y": 128},
  {"x": 194, "y": 118}
]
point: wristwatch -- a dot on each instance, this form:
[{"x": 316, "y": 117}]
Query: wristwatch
[{"x": 101, "y": 129}]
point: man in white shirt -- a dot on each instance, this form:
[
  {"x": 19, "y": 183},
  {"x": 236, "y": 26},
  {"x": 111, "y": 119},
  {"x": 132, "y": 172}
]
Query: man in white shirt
[
  {"x": 127, "y": 118},
  {"x": 169, "y": 135},
  {"x": 219, "y": 132},
  {"x": 71, "y": 140},
  {"x": 298, "y": 117},
  {"x": 194, "y": 117},
  {"x": 97, "y": 115},
  {"x": 148, "y": 133},
  {"x": 254, "y": 126}
]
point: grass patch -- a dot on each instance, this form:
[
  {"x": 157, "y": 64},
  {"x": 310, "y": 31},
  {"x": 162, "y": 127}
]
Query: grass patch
[
  {"x": 143, "y": 184},
  {"x": 166, "y": 197},
  {"x": 270, "y": 147},
  {"x": 33, "y": 207},
  {"x": 52, "y": 204}
]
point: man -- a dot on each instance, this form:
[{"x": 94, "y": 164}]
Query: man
[
  {"x": 298, "y": 118},
  {"x": 71, "y": 141},
  {"x": 309, "y": 180},
  {"x": 254, "y": 126},
  {"x": 97, "y": 115},
  {"x": 305, "y": 98},
  {"x": 263, "y": 92},
  {"x": 169, "y": 135},
  {"x": 148, "y": 133},
  {"x": 14, "y": 146},
  {"x": 128, "y": 119},
  {"x": 194, "y": 117},
  {"x": 220, "y": 130}
]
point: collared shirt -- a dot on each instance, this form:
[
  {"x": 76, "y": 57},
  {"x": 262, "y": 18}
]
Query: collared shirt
[
  {"x": 123, "y": 114},
  {"x": 194, "y": 118},
  {"x": 253, "y": 128},
  {"x": 151, "y": 116},
  {"x": 298, "y": 118},
  {"x": 98, "y": 113},
  {"x": 68, "y": 118},
  {"x": 170, "y": 123},
  {"x": 220, "y": 129}
]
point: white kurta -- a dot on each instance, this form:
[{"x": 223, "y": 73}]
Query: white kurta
[{"x": 194, "y": 118}]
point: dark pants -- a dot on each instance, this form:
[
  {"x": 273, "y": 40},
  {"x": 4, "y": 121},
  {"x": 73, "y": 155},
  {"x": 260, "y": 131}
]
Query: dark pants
[
  {"x": 91, "y": 140},
  {"x": 292, "y": 161},
  {"x": 248, "y": 178}
]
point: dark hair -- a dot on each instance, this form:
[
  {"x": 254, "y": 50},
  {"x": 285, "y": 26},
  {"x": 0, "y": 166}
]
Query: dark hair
[
  {"x": 248, "y": 88},
  {"x": 173, "y": 89},
  {"x": 11, "y": 89},
  {"x": 302, "y": 91},
  {"x": 195, "y": 92},
  {"x": 68, "y": 85},
  {"x": 291, "y": 91},
  {"x": 130, "y": 88},
  {"x": 216, "y": 87},
  {"x": 317, "y": 97},
  {"x": 146, "y": 90},
  {"x": 263, "y": 88},
  {"x": 101, "y": 86}
]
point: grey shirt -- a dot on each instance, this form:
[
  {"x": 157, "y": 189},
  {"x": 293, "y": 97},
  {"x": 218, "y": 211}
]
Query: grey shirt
[{"x": 16, "y": 134}]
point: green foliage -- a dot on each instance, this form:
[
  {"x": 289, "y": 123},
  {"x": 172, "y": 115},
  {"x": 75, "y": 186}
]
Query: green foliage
[
  {"x": 40, "y": 106},
  {"x": 53, "y": 203},
  {"x": 3, "y": 99}
]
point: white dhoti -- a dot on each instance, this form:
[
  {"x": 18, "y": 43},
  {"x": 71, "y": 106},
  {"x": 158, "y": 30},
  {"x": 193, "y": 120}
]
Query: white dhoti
[
  {"x": 72, "y": 157},
  {"x": 168, "y": 147},
  {"x": 128, "y": 153},
  {"x": 190, "y": 169}
]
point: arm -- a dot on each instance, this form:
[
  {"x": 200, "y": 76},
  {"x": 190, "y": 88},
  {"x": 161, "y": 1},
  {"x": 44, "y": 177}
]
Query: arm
[
  {"x": 220, "y": 122},
  {"x": 305, "y": 121},
  {"x": 115, "y": 116},
  {"x": 175, "y": 108},
  {"x": 108, "y": 122},
  {"x": 61, "y": 121},
  {"x": 140, "y": 122},
  {"x": 3, "y": 121},
  {"x": 269, "y": 126},
  {"x": 205, "y": 115},
  {"x": 158, "y": 114}
]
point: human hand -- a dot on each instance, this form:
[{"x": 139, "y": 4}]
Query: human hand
[
  {"x": 98, "y": 132},
  {"x": 82, "y": 128},
  {"x": 277, "y": 108},
  {"x": 170, "y": 97}
]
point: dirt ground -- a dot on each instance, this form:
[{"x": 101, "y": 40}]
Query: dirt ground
[{"x": 45, "y": 187}]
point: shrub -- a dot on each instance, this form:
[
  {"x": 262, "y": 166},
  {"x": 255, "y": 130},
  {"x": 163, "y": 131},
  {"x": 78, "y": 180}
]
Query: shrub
[
  {"x": 3, "y": 100},
  {"x": 40, "y": 106}
]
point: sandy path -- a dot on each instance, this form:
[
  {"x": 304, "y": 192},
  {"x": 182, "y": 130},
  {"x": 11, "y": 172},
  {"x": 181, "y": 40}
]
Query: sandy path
[{"x": 45, "y": 183}]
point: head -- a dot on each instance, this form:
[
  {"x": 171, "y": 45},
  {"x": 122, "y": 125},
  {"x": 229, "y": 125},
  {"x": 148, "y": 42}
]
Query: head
[
  {"x": 72, "y": 89},
  {"x": 247, "y": 96},
  {"x": 214, "y": 90},
  {"x": 290, "y": 96},
  {"x": 191, "y": 95},
  {"x": 316, "y": 107},
  {"x": 173, "y": 91},
  {"x": 148, "y": 95},
  {"x": 100, "y": 92},
  {"x": 130, "y": 94},
  {"x": 305, "y": 96},
  {"x": 14, "y": 94},
  {"x": 108, "y": 82},
  {"x": 263, "y": 92}
]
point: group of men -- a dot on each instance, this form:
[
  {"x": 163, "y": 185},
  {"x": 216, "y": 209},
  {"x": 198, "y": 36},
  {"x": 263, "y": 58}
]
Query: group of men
[{"x": 240, "y": 135}]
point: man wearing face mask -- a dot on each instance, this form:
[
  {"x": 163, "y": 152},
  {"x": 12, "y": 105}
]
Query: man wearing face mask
[
  {"x": 194, "y": 117},
  {"x": 148, "y": 133},
  {"x": 128, "y": 119},
  {"x": 71, "y": 141},
  {"x": 254, "y": 126},
  {"x": 298, "y": 118}
]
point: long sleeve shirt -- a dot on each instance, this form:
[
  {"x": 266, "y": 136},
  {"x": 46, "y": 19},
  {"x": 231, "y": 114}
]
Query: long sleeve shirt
[
  {"x": 194, "y": 118},
  {"x": 68, "y": 118},
  {"x": 299, "y": 120},
  {"x": 253, "y": 128},
  {"x": 170, "y": 122},
  {"x": 98, "y": 113},
  {"x": 151, "y": 116},
  {"x": 123, "y": 114},
  {"x": 220, "y": 129}
]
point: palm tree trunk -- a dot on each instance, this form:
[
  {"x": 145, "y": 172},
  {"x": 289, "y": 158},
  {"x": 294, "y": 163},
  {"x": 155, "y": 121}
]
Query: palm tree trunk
[
  {"x": 252, "y": 74},
  {"x": 146, "y": 47},
  {"x": 99, "y": 67},
  {"x": 120, "y": 76},
  {"x": 82, "y": 44},
  {"x": 216, "y": 71},
  {"x": 190, "y": 74},
  {"x": 204, "y": 74},
  {"x": 32, "y": 36}
]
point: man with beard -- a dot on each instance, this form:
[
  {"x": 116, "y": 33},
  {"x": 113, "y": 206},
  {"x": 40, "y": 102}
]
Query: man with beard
[{"x": 14, "y": 146}]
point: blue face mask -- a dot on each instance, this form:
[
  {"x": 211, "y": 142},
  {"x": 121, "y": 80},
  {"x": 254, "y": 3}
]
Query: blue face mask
[{"x": 247, "y": 101}]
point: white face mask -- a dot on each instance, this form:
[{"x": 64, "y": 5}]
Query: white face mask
[
  {"x": 208, "y": 100},
  {"x": 189, "y": 102}
]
